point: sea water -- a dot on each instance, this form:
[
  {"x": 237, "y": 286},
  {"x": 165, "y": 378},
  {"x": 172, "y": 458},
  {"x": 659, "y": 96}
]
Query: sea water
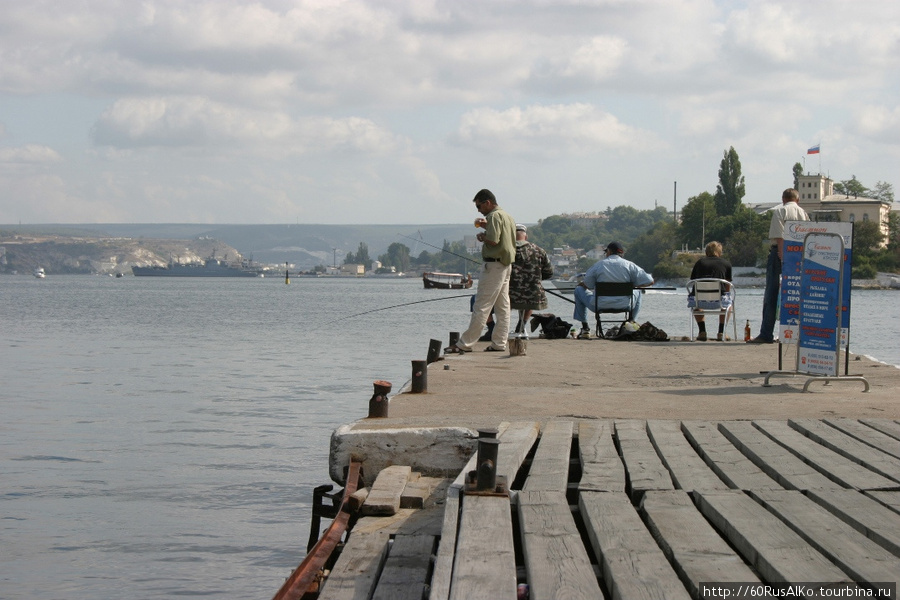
[{"x": 162, "y": 437}]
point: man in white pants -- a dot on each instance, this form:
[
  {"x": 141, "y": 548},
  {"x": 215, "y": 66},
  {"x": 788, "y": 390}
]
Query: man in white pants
[{"x": 498, "y": 254}]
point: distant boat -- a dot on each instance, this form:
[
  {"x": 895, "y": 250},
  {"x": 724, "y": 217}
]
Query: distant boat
[
  {"x": 567, "y": 285},
  {"x": 39, "y": 273},
  {"x": 447, "y": 281},
  {"x": 210, "y": 268}
]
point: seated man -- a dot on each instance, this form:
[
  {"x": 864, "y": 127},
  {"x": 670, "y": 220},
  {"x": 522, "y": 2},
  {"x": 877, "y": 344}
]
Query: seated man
[
  {"x": 611, "y": 269},
  {"x": 712, "y": 266}
]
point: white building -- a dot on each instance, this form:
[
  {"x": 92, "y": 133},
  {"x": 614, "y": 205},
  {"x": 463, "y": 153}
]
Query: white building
[{"x": 818, "y": 199}]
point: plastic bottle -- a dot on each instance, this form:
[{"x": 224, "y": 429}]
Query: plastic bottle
[{"x": 747, "y": 331}]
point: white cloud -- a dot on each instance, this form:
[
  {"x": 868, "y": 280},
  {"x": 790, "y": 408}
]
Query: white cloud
[
  {"x": 881, "y": 123},
  {"x": 548, "y": 130},
  {"x": 169, "y": 109},
  {"x": 29, "y": 154},
  {"x": 200, "y": 122}
]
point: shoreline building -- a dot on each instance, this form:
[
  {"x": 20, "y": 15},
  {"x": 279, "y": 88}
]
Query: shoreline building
[{"x": 818, "y": 199}]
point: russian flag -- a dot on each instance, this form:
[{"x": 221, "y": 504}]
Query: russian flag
[{"x": 813, "y": 150}]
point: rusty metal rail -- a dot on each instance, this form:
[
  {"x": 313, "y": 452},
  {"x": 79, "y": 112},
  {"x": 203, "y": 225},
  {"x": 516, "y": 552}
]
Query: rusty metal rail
[{"x": 305, "y": 574}]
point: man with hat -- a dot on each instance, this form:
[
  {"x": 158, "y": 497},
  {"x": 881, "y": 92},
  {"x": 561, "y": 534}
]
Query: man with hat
[
  {"x": 526, "y": 294},
  {"x": 613, "y": 268}
]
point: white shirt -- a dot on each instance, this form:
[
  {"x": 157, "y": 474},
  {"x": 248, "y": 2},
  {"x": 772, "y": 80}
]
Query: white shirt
[{"x": 788, "y": 211}]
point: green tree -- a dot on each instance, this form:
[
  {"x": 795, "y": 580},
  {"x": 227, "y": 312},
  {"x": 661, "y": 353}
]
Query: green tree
[
  {"x": 731, "y": 189},
  {"x": 868, "y": 240},
  {"x": 696, "y": 217},
  {"x": 798, "y": 171},
  {"x": 883, "y": 191},
  {"x": 850, "y": 187},
  {"x": 360, "y": 258},
  {"x": 397, "y": 256},
  {"x": 654, "y": 246}
]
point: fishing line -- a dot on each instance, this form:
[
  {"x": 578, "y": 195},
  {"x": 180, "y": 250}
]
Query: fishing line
[
  {"x": 397, "y": 306},
  {"x": 417, "y": 240}
]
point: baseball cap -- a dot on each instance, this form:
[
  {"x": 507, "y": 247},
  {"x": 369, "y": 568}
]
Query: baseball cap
[
  {"x": 520, "y": 227},
  {"x": 615, "y": 247}
]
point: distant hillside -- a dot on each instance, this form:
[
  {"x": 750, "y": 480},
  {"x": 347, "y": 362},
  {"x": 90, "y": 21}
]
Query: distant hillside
[
  {"x": 89, "y": 254},
  {"x": 305, "y": 246}
]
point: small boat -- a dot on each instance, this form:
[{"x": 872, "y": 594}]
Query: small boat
[
  {"x": 447, "y": 281},
  {"x": 567, "y": 285},
  {"x": 39, "y": 273}
]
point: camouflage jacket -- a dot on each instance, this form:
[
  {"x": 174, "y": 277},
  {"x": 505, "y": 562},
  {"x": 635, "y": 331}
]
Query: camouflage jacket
[{"x": 531, "y": 266}]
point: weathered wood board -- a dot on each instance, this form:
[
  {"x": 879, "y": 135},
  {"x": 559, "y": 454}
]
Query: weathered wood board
[{"x": 555, "y": 557}]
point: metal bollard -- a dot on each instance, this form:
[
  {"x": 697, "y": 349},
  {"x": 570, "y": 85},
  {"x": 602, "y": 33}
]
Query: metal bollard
[
  {"x": 419, "y": 377},
  {"x": 484, "y": 481},
  {"x": 488, "y": 449},
  {"x": 454, "y": 337},
  {"x": 378, "y": 404},
  {"x": 434, "y": 351}
]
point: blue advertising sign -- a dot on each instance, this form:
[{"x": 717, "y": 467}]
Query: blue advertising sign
[
  {"x": 795, "y": 233},
  {"x": 820, "y": 292}
]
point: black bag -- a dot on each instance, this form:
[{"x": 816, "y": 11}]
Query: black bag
[
  {"x": 552, "y": 327},
  {"x": 647, "y": 333}
]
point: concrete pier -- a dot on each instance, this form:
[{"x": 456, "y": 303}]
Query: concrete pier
[{"x": 643, "y": 469}]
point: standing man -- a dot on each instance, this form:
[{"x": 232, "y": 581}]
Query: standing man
[
  {"x": 613, "y": 268},
  {"x": 711, "y": 266},
  {"x": 788, "y": 211},
  {"x": 526, "y": 294},
  {"x": 498, "y": 254}
]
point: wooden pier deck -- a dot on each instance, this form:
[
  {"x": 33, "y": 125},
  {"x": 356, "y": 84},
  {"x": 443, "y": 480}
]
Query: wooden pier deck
[{"x": 646, "y": 509}]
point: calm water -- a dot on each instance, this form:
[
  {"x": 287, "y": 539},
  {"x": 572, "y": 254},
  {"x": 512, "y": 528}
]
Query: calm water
[{"x": 163, "y": 436}]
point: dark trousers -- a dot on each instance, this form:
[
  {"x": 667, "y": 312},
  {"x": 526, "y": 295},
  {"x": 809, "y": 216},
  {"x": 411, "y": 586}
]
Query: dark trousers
[{"x": 770, "y": 297}]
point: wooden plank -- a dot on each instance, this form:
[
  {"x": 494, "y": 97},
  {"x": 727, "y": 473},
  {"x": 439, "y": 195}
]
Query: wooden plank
[
  {"x": 828, "y": 462},
  {"x": 384, "y": 496},
  {"x": 724, "y": 458},
  {"x": 633, "y": 565},
  {"x": 891, "y": 428},
  {"x": 443, "y": 563},
  {"x": 860, "y": 557},
  {"x": 405, "y": 572},
  {"x": 442, "y": 576},
  {"x": 889, "y": 499},
  {"x": 870, "y": 433},
  {"x": 557, "y": 563},
  {"x": 849, "y": 447},
  {"x": 776, "y": 462},
  {"x": 690, "y": 543},
  {"x": 515, "y": 444},
  {"x": 687, "y": 469},
  {"x": 550, "y": 465},
  {"x": 484, "y": 563},
  {"x": 777, "y": 553},
  {"x": 354, "y": 574},
  {"x": 644, "y": 467},
  {"x": 601, "y": 468},
  {"x": 421, "y": 491},
  {"x": 864, "y": 514}
]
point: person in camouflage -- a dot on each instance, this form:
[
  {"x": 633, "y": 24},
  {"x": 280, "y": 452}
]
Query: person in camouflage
[{"x": 532, "y": 265}]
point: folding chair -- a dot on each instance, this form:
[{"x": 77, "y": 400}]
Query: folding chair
[
  {"x": 606, "y": 289},
  {"x": 708, "y": 295}
]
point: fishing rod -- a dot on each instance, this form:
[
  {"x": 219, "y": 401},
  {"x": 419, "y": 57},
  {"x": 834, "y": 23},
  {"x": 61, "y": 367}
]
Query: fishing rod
[
  {"x": 468, "y": 258},
  {"x": 666, "y": 289},
  {"x": 397, "y": 306}
]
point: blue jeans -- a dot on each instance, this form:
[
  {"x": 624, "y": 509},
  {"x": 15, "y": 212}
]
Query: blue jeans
[
  {"x": 585, "y": 301},
  {"x": 770, "y": 296}
]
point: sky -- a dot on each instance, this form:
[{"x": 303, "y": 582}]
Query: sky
[{"x": 355, "y": 112}]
